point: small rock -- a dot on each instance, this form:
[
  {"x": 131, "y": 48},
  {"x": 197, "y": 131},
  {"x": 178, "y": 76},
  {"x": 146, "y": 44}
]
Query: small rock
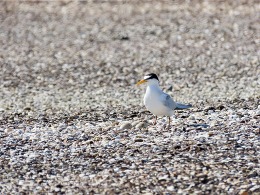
[
  {"x": 191, "y": 117},
  {"x": 126, "y": 125},
  {"x": 135, "y": 123},
  {"x": 139, "y": 140},
  {"x": 164, "y": 177},
  {"x": 210, "y": 111},
  {"x": 220, "y": 107},
  {"x": 255, "y": 188},
  {"x": 30, "y": 113},
  {"x": 169, "y": 88},
  {"x": 170, "y": 188},
  {"x": 213, "y": 123},
  {"x": 7, "y": 130},
  {"x": 209, "y": 108},
  {"x": 27, "y": 108},
  {"x": 114, "y": 124},
  {"x": 141, "y": 125}
]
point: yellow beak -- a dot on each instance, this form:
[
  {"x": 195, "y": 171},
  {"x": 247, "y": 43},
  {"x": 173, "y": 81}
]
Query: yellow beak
[{"x": 142, "y": 81}]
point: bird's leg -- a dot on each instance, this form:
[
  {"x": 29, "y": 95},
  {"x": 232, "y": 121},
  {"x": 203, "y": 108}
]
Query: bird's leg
[
  {"x": 169, "y": 122},
  {"x": 155, "y": 120}
]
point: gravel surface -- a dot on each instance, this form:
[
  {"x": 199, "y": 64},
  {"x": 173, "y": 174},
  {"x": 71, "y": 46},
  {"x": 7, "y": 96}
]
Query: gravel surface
[{"x": 72, "y": 120}]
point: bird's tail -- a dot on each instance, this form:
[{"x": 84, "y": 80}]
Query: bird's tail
[{"x": 180, "y": 106}]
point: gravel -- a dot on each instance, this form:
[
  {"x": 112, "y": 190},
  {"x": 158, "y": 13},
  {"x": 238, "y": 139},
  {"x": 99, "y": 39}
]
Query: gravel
[{"x": 72, "y": 120}]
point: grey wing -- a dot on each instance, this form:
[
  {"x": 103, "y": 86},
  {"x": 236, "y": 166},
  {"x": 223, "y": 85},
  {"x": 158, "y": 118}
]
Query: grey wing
[
  {"x": 180, "y": 106},
  {"x": 168, "y": 101}
]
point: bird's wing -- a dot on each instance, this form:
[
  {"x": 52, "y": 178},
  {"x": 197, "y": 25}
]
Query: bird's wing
[
  {"x": 168, "y": 101},
  {"x": 180, "y": 106}
]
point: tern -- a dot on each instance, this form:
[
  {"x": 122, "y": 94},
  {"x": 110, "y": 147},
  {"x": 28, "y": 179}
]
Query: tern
[{"x": 158, "y": 102}]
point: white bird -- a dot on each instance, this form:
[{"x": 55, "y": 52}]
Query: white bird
[{"x": 158, "y": 102}]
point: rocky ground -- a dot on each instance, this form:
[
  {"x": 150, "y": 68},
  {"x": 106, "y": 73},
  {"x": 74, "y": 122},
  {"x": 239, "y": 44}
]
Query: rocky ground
[{"x": 72, "y": 120}]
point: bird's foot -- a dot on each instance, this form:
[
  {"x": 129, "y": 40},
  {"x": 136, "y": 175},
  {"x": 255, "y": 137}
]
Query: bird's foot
[{"x": 155, "y": 120}]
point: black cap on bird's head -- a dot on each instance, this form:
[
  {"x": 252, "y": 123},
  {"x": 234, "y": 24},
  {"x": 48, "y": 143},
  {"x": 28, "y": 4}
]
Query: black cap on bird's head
[
  {"x": 148, "y": 77},
  {"x": 151, "y": 76}
]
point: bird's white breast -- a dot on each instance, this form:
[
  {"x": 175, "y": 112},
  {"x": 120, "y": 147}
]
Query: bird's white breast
[{"x": 154, "y": 103}]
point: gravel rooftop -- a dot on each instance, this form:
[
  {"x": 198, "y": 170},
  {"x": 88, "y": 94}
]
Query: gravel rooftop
[{"x": 72, "y": 120}]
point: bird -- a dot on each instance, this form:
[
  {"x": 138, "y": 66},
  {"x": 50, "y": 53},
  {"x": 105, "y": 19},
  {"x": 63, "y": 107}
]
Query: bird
[{"x": 158, "y": 102}]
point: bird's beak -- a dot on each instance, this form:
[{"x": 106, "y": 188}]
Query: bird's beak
[{"x": 141, "y": 82}]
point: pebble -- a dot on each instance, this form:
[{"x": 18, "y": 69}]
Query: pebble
[
  {"x": 211, "y": 111},
  {"x": 126, "y": 125},
  {"x": 135, "y": 123},
  {"x": 141, "y": 125},
  {"x": 170, "y": 188}
]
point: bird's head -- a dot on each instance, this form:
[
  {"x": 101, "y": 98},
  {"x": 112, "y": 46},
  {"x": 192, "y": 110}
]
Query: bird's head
[{"x": 149, "y": 79}]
